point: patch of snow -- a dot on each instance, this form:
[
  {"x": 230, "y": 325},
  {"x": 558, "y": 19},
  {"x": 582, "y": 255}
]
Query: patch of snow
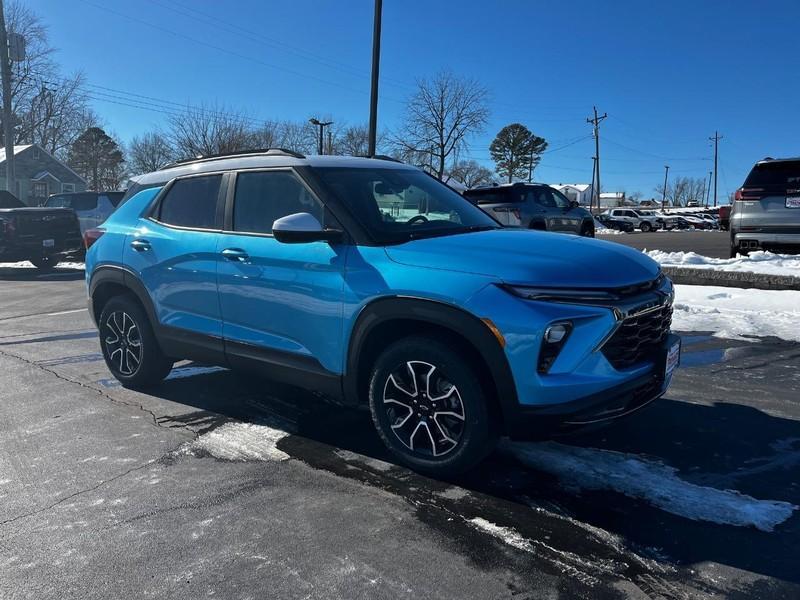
[
  {"x": 181, "y": 372},
  {"x": 505, "y": 534},
  {"x": 24, "y": 264},
  {"x": 737, "y": 313},
  {"x": 651, "y": 481},
  {"x": 757, "y": 262},
  {"x": 239, "y": 442},
  {"x": 600, "y": 229}
]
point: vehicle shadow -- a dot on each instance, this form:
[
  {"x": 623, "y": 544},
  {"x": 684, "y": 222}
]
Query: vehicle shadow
[{"x": 721, "y": 445}]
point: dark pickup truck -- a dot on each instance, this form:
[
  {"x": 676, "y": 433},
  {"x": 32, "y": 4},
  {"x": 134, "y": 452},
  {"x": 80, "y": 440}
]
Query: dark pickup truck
[{"x": 43, "y": 236}]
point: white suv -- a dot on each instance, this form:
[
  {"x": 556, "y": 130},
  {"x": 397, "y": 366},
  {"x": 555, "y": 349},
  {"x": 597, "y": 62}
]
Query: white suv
[{"x": 645, "y": 222}]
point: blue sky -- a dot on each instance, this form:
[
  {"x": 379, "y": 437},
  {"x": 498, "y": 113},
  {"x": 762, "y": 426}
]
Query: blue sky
[{"x": 668, "y": 74}]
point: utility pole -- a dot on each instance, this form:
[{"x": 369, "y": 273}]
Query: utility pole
[
  {"x": 322, "y": 127},
  {"x": 717, "y": 137},
  {"x": 664, "y": 191},
  {"x": 708, "y": 189},
  {"x": 591, "y": 198},
  {"x": 8, "y": 126},
  {"x": 530, "y": 167},
  {"x": 376, "y": 60},
  {"x": 596, "y": 130}
]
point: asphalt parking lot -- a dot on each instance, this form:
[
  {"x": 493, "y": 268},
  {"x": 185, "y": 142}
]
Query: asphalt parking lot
[
  {"x": 225, "y": 485},
  {"x": 708, "y": 243}
]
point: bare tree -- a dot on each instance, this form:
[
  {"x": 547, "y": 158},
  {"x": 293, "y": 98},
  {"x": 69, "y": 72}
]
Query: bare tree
[
  {"x": 149, "y": 152},
  {"x": 441, "y": 116},
  {"x": 207, "y": 130},
  {"x": 682, "y": 190},
  {"x": 49, "y": 109},
  {"x": 471, "y": 173}
]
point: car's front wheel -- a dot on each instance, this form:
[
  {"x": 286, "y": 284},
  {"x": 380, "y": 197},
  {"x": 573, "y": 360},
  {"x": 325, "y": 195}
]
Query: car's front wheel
[
  {"x": 429, "y": 407},
  {"x": 130, "y": 348},
  {"x": 645, "y": 226}
]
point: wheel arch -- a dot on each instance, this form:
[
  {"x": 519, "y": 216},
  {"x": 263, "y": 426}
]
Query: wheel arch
[
  {"x": 386, "y": 320},
  {"x": 108, "y": 281}
]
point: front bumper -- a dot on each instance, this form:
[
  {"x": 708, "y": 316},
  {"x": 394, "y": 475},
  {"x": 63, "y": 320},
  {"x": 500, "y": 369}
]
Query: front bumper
[{"x": 600, "y": 408}]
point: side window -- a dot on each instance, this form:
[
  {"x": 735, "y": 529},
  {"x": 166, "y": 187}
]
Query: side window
[
  {"x": 264, "y": 196},
  {"x": 545, "y": 198},
  {"x": 192, "y": 202},
  {"x": 630, "y": 213},
  {"x": 560, "y": 200},
  {"x": 84, "y": 201}
]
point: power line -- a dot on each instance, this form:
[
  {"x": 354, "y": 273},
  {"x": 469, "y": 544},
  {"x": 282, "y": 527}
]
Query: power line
[{"x": 596, "y": 132}]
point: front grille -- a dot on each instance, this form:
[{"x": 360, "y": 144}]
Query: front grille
[{"x": 638, "y": 337}]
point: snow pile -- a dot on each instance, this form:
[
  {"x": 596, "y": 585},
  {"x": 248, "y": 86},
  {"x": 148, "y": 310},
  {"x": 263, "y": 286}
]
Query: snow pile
[
  {"x": 737, "y": 313},
  {"x": 24, "y": 264},
  {"x": 239, "y": 442},
  {"x": 757, "y": 262},
  {"x": 648, "y": 480}
]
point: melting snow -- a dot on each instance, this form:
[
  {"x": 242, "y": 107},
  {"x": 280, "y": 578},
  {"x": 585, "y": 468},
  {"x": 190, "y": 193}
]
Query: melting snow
[
  {"x": 652, "y": 481},
  {"x": 735, "y": 313},
  {"x": 240, "y": 442}
]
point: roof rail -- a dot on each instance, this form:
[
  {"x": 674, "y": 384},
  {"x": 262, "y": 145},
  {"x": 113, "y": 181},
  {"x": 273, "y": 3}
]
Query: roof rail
[
  {"x": 385, "y": 157},
  {"x": 255, "y": 152}
]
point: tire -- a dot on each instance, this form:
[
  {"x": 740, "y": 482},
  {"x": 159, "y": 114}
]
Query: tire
[
  {"x": 460, "y": 428},
  {"x": 129, "y": 347},
  {"x": 645, "y": 226},
  {"x": 587, "y": 230},
  {"x": 45, "y": 263}
]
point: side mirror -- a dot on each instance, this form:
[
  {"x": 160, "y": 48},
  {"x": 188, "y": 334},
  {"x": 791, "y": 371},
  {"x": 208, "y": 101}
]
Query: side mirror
[
  {"x": 301, "y": 228},
  {"x": 573, "y": 204}
]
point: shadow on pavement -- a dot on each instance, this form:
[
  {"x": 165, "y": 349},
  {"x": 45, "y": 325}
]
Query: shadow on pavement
[
  {"x": 33, "y": 274},
  {"x": 722, "y": 445}
]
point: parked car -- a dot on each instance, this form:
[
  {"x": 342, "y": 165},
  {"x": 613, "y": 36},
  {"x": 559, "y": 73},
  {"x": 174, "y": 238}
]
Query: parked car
[
  {"x": 675, "y": 222},
  {"x": 695, "y": 221},
  {"x": 92, "y": 208},
  {"x": 766, "y": 209},
  {"x": 372, "y": 283},
  {"x": 725, "y": 217},
  {"x": 533, "y": 206},
  {"x": 44, "y": 236},
  {"x": 618, "y": 224},
  {"x": 639, "y": 220}
]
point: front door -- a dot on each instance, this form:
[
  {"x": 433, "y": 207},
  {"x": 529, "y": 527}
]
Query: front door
[{"x": 281, "y": 303}]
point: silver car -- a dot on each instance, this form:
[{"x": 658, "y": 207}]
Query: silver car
[
  {"x": 533, "y": 206},
  {"x": 766, "y": 209},
  {"x": 92, "y": 208}
]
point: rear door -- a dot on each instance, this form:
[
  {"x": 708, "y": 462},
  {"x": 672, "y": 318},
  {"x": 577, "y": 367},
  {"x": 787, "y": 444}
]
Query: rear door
[
  {"x": 173, "y": 251},
  {"x": 280, "y": 302}
]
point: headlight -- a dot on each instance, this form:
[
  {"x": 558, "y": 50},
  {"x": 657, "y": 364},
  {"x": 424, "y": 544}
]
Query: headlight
[{"x": 568, "y": 295}]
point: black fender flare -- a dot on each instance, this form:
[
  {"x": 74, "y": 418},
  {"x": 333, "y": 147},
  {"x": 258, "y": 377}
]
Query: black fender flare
[
  {"x": 125, "y": 278},
  {"x": 461, "y": 322}
]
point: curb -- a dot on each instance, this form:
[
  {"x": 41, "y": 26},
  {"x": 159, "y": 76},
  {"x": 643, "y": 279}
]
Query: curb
[{"x": 739, "y": 279}]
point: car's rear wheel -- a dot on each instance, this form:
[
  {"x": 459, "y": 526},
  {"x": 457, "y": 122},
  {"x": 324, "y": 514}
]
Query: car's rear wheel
[
  {"x": 45, "y": 263},
  {"x": 130, "y": 348},
  {"x": 429, "y": 407},
  {"x": 645, "y": 226}
]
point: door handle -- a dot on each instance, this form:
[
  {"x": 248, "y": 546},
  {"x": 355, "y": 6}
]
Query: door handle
[
  {"x": 140, "y": 245},
  {"x": 235, "y": 254}
]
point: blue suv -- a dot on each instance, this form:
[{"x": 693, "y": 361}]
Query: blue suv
[{"x": 371, "y": 283}]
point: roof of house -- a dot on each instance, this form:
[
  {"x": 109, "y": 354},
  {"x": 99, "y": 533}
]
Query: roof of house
[
  {"x": 581, "y": 187},
  {"x": 17, "y": 150},
  {"x": 616, "y": 195},
  {"x": 43, "y": 174}
]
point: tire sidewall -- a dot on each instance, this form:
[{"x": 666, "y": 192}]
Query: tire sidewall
[{"x": 477, "y": 438}]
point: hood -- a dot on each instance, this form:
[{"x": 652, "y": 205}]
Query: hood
[{"x": 523, "y": 256}]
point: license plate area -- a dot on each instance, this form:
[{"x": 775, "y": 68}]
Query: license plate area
[
  {"x": 49, "y": 243},
  {"x": 673, "y": 359},
  {"x": 792, "y": 201}
]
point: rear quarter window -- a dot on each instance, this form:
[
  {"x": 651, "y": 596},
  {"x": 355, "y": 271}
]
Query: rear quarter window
[{"x": 489, "y": 196}]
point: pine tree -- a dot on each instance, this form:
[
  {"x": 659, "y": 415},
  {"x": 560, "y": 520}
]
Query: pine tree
[
  {"x": 516, "y": 151},
  {"x": 97, "y": 158}
]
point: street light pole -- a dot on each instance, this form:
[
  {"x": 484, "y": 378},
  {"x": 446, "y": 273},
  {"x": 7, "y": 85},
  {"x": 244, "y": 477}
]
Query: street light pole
[
  {"x": 664, "y": 191},
  {"x": 322, "y": 127},
  {"x": 8, "y": 126},
  {"x": 376, "y": 60}
]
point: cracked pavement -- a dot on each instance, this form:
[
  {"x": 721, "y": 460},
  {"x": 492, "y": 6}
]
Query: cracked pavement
[{"x": 97, "y": 499}]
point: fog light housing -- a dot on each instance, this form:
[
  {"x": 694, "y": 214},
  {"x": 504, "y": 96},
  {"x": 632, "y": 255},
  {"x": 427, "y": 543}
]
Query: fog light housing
[{"x": 555, "y": 336}]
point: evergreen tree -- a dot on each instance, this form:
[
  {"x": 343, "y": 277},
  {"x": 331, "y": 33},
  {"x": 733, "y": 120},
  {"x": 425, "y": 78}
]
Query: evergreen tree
[
  {"x": 516, "y": 151},
  {"x": 97, "y": 158}
]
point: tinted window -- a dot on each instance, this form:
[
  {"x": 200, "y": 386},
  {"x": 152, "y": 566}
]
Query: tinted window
[
  {"x": 263, "y": 197},
  {"x": 398, "y": 204},
  {"x": 545, "y": 198},
  {"x": 784, "y": 174},
  {"x": 114, "y": 197},
  {"x": 560, "y": 199},
  {"x": 493, "y": 196},
  {"x": 192, "y": 202}
]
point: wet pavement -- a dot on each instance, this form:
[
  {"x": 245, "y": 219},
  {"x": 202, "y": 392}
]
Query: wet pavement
[{"x": 105, "y": 492}]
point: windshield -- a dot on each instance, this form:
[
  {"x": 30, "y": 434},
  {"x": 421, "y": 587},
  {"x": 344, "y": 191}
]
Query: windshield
[{"x": 397, "y": 205}]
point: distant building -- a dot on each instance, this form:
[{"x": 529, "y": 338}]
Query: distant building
[
  {"x": 581, "y": 192},
  {"x": 38, "y": 174},
  {"x": 611, "y": 199},
  {"x": 652, "y": 203}
]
